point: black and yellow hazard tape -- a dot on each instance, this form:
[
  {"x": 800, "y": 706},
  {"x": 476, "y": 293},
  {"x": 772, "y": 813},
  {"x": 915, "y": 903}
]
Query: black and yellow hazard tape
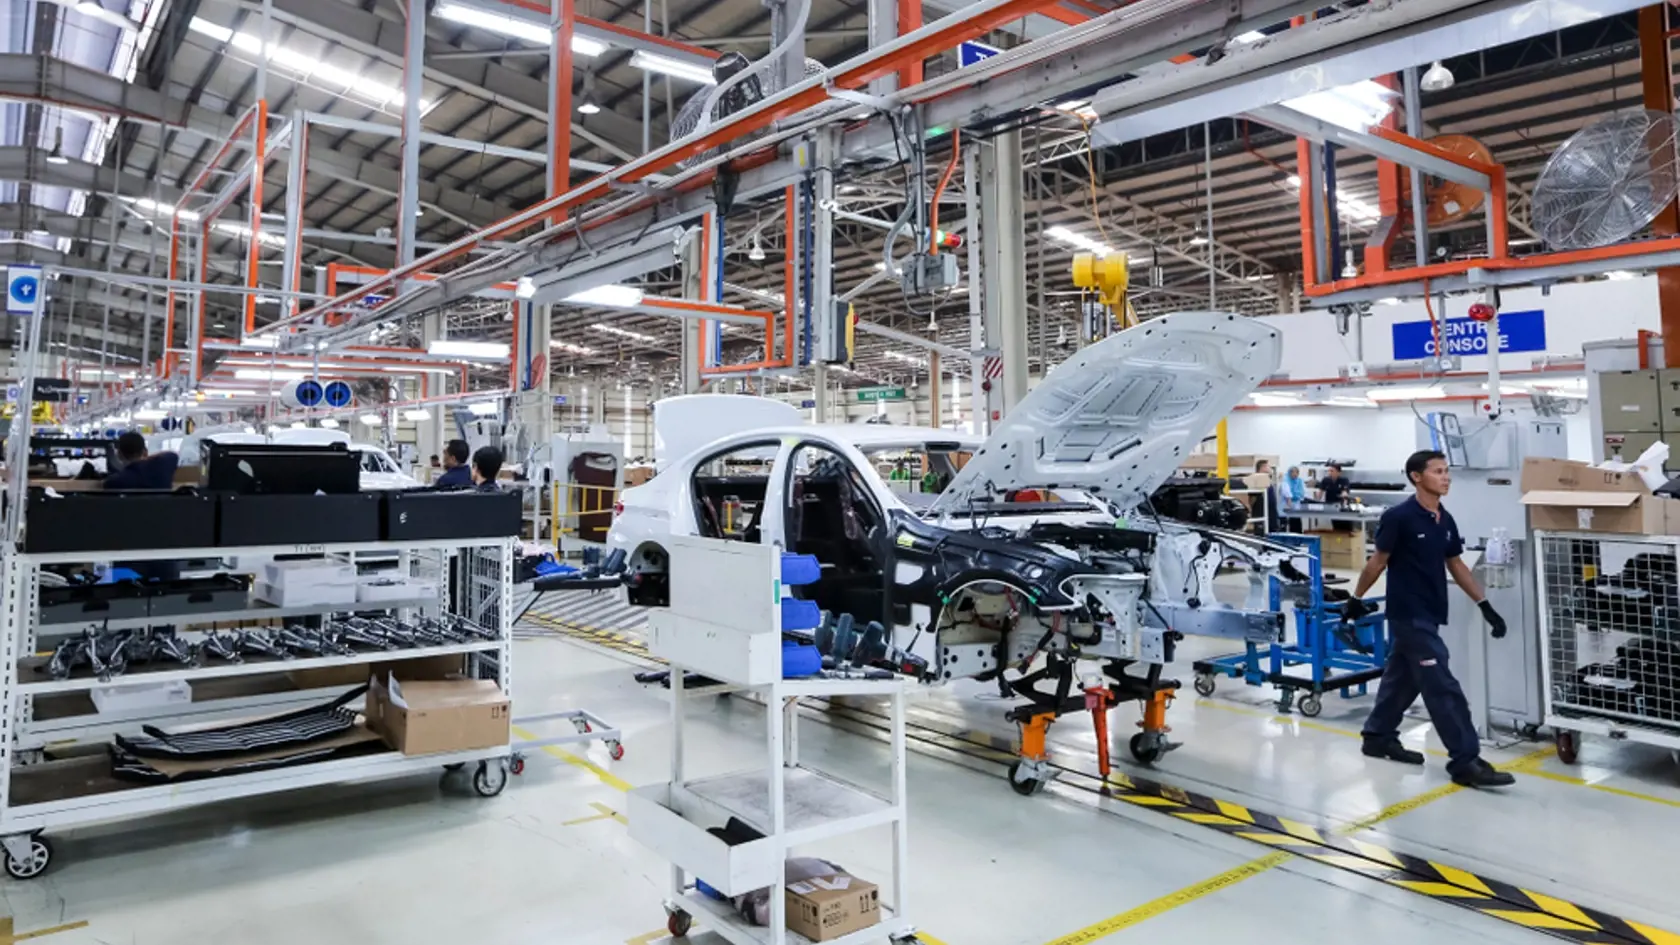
[{"x": 1321, "y": 843}]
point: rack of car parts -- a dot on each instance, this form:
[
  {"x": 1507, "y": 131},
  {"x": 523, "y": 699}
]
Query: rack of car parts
[{"x": 290, "y": 666}]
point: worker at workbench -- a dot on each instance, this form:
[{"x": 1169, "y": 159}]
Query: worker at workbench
[
  {"x": 141, "y": 470},
  {"x": 456, "y": 473},
  {"x": 1419, "y": 544},
  {"x": 1333, "y": 487},
  {"x": 486, "y": 465}
]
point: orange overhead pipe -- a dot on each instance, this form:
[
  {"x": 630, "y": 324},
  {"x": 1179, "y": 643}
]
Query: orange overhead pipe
[
  {"x": 939, "y": 191},
  {"x": 909, "y": 21},
  {"x": 560, "y": 111},
  {"x": 642, "y": 37},
  {"x": 259, "y": 164},
  {"x": 1309, "y": 254},
  {"x": 1619, "y": 251},
  {"x": 1657, "y": 88}
]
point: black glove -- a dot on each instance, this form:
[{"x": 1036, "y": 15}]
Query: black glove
[
  {"x": 1356, "y": 608},
  {"x": 1496, "y": 623}
]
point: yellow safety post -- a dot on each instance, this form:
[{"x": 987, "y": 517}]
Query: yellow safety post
[{"x": 1222, "y": 440}]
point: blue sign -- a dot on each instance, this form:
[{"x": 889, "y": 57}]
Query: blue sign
[
  {"x": 1518, "y": 331},
  {"x": 23, "y": 290},
  {"x": 375, "y": 300},
  {"x": 559, "y": 400},
  {"x": 807, "y": 404},
  {"x": 971, "y": 52}
]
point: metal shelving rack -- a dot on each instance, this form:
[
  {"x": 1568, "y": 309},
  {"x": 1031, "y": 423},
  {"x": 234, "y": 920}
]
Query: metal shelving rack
[
  {"x": 736, "y": 637},
  {"x": 488, "y": 560}
]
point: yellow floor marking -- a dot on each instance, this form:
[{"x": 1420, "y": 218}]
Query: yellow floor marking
[
  {"x": 1375, "y": 852},
  {"x": 606, "y": 777},
  {"x": 1235, "y": 811},
  {"x": 1297, "y": 829},
  {"x": 1294, "y": 720},
  {"x": 1560, "y": 908},
  {"x": 1620, "y": 792},
  {"x": 1458, "y": 877},
  {"x": 1149, "y": 801},
  {"x": 606, "y": 813},
  {"x": 1659, "y": 936},
  {"x": 1270, "y": 839},
  {"x": 1439, "y": 890},
  {"x": 1171, "y": 901},
  {"x": 657, "y": 935},
  {"x": 1202, "y": 817},
  {"x": 1534, "y": 920},
  {"x": 1348, "y": 861},
  {"x": 8, "y": 935}
]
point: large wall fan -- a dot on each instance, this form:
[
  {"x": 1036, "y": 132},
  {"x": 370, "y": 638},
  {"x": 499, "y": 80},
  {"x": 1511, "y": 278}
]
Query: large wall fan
[
  {"x": 1608, "y": 181},
  {"x": 1448, "y": 201}
]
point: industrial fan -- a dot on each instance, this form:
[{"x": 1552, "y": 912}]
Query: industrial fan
[
  {"x": 1448, "y": 201},
  {"x": 748, "y": 92},
  {"x": 1607, "y": 181}
]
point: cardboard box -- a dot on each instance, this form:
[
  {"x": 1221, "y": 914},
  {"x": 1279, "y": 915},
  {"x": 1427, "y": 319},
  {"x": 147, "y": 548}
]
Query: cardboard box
[
  {"x": 826, "y": 907},
  {"x": 1341, "y": 551},
  {"x": 423, "y": 717},
  {"x": 1568, "y": 496},
  {"x": 430, "y": 667}
]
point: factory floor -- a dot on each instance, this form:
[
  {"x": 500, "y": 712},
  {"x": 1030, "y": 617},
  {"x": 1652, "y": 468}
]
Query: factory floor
[{"x": 550, "y": 862}]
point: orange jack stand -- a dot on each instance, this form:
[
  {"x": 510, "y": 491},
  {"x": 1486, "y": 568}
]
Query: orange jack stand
[
  {"x": 1151, "y": 743},
  {"x": 1033, "y": 771},
  {"x": 1098, "y": 700}
]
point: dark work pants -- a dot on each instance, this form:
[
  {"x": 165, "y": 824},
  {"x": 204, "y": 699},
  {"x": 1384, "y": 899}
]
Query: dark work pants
[{"x": 1418, "y": 666}]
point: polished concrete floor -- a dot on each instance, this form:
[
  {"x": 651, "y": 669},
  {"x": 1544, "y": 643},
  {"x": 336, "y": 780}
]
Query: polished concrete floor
[{"x": 547, "y": 862}]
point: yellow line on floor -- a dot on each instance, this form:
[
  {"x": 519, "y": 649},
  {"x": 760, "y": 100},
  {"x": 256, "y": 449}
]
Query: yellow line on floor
[
  {"x": 606, "y": 813},
  {"x": 606, "y": 777},
  {"x": 1619, "y": 792},
  {"x": 1294, "y": 720},
  {"x": 7, "y": 936},
  {"x": 1173, "y": 900}
]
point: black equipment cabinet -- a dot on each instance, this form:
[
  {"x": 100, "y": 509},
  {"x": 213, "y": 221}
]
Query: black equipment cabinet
[
  {"x": 298, "y": 519},
  {"x": 426, "y": 515},
  {"x": 117, "y": 521}
]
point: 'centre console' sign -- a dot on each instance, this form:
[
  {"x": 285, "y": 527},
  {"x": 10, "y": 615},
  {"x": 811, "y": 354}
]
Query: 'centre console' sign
[{"x": 1518, "y": 331}]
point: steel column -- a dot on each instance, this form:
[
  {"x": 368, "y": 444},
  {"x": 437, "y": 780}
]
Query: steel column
[
  {"x": 1656, "y": 77},
  {"x": 1420, "y": 205},
  {"x": 1010, "y": 238},
  {"x": 883, "y": 28},
  {"x": 408, "y": 202},
  {"x": 291, "y": 267},
  {"x": 978, "y": 284}
]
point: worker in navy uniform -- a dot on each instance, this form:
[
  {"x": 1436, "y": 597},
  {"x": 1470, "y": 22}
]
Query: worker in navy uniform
[
  {"x": 141, "y": 470},
  {"x": 457, "y": 474},
  {"x": 1419, "y": 544},
  {"x": 486, "y": 464},
  {"x": 1333, "y": 486}
]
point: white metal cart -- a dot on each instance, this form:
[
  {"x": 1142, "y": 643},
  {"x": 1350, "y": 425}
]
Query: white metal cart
[
  {"x": 724, "y": 621},
  {"x": 1610, "y": 637},
  {"x": 41, "y": 796}
]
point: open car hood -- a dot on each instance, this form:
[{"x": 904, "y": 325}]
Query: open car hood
[{"x": 1118, "y": 418}]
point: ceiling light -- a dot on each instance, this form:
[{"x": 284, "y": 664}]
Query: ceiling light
[
  {"x": 524, "y": 288},
  {"x": 511, "y": 26},
  {"x": 1252, "y": 36},
  {"x": 1437, "y": 79},
  {"x": 1062, "y": 234},
  {"x": 588, "y": 105},
  {"x": 1618, "y": 275},
  {"x": 1406, "y": 393},
  {"x": 486, "y": 408},
  {"x": 756, "y": 251},
  {"x": 371, "y": 419},
  {"x": 417, "y": 414},
  {"x": 1350, "y": 402},
  {"x": 1390, "y": 300},
  {"x": 1198, "y": 238},
  {"x": 613, "y": 296},
  {"x": 488, "y": 350},
  {"x": 328, "y": 423},
  {"x": 317, "y": 72},
  {"x": 298, "y": 425},
  {"x": 152, "y": 414},
  {"x": 570, "y": 348},
  {"x": 907, "y": 358},
  {"x": 675, "y": 68},
  {"x": 259, "y": 374},
  {"x": 1355, "y": 107},
  {"x": 57, "y": 155},
  {"x": 1277, "y": 400},
  {"x": 624, "y": 333}
]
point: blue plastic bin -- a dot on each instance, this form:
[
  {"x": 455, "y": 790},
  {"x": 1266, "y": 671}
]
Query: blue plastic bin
[
  {"x": 800, "y": 660},
  {"x": 800, "y": 614},
  {"x": 800, "y": 569}
]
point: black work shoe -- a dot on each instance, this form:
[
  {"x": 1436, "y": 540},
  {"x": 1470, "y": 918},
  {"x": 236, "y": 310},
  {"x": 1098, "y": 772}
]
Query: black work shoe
[
  {"x": 1393, "y": 751},
  {"x": 1480, "y": 774}
]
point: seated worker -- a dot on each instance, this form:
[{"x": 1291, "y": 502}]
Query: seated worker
[
  {"x": 139, "y": 470},
  {"x": 486, "y": 463},
  {"x": 456, "y": 473}
]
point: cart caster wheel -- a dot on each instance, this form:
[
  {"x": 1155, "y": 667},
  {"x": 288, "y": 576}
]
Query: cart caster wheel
[
  {"x": 907, "y": 940},
  {"x": 1310, "y": 706},
  {"x": 456, "y": 766},
  {"x": 1024, "y": 786},
  {"x": 40, "y": 857},
  {"x": 615, "y": 751},
  {"x": 1568, "y": 746},
  {"x": 1205, "y": 684},
  {"x": 583, "y": 726},
  {"x": 1146, "y": 748},
  {"x": 490, "y": 778},
  {"x": 678, "y": 924},
  {"x": 516, "y": 766}
]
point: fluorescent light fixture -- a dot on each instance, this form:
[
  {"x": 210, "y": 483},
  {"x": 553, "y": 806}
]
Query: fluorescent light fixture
[
  {"x": 1355, "y": 107},
  {"x": 371, "y": 419},
  {"x": 524, "y": 288},
  {"x": 1389, "y": 300},
  {"x": 624, "y": 333},
  {"x": 417, "y": 414},
  {"x": 1618, "y": 275},
  {"x": 907, "y": 358},
  {"x": 589, "y": 108},
  {"x": 328, "y": 423},
  {"x": 1196, "y": 238},
  {"x": 317, "y": 72},
  {"x": 489, "y": 350},
  {"x": 298, "y": 425},
  {"x": 260, "y": 341},
  {"x": 1350, "y": 402},
  {"x": 612, "y": 296},
  {"x": 1383, "y": 394},
  {"x": 152, "y": 414},
  {"x": 570, "y": 348},
  {"x": 484, "y": 409},
  {"x": 1252, "y": 36},
  {"x": 1062, "y": 234},
  {"x": 259, "y": 374},
  {"x": 510, "y": 26},
  {"x": 675, "y": 68}
]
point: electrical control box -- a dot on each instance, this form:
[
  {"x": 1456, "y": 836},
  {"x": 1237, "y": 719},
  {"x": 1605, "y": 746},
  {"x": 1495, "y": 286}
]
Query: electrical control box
[{"x": 929, "y": 274}]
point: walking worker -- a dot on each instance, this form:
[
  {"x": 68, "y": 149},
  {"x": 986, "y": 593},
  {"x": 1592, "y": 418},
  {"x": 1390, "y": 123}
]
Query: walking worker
[{"x": 1419, "y": 544}]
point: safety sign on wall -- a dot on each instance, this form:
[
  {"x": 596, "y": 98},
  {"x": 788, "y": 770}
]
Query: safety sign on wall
[
  {"x": 971, "y": 52},
  {"x": 1518, "y": 331},
  {"x": 23, "y": 290}
]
